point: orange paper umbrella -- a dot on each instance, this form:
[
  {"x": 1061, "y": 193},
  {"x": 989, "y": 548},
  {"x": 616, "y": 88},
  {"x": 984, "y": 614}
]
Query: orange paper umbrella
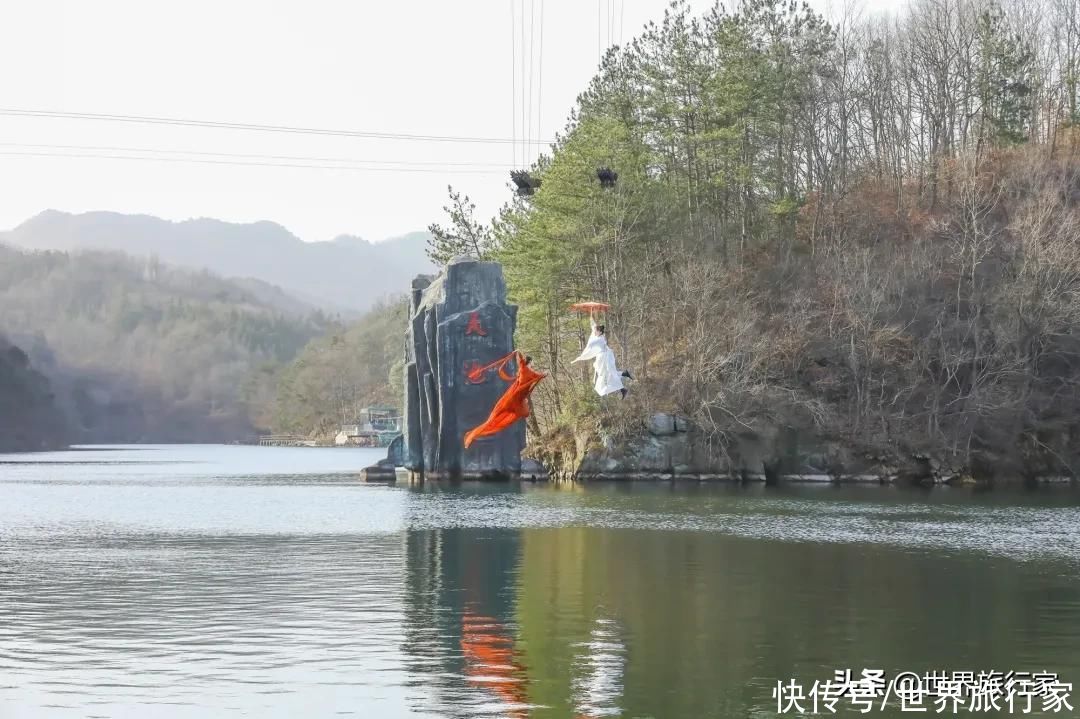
[{"x": 590, "y": 306}]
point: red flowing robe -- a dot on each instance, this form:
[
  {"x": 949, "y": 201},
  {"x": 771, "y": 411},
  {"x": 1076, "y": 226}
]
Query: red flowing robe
[{"x": 512, "y": 406}]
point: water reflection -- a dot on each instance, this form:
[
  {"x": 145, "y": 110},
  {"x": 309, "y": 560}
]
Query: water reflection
[
  {"x": 206, "y": 590},
  {"x": 460, "y": 629},
  {"x": 493, "y": 663},
  {"x": 599, "y": 670},
  {"x": 134, "y": 626},
  {"x": 517, "y": 612}
]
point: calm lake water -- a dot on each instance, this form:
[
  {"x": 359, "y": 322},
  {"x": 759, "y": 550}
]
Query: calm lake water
[{"x": 266, "y": 582}]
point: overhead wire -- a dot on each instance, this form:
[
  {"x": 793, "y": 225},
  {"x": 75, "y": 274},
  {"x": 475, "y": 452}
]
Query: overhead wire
[
  {"x": 257, "y": 156},
  {"x": 532, "y": 69},
  {"x": 513, "y": 85},
  {"x": 527, "y": 71},
  {"x": 530, "y": 139},
  {"x": 540, "y": 82},
  {"x": 252, "y": 127},
  {"x": 622, "y": 17},
  {"x": 239, "y": 163},
  {"x": 523, "y": 80},
  {"x": 610, "y": 15}
]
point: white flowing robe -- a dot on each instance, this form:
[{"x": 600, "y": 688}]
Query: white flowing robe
[{"x": 608, "y": 378}]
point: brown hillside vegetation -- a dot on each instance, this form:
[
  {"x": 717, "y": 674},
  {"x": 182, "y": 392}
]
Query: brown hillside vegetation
[
  {"x": 951, "y": 333},
  {"x": 865, "y": 234}
]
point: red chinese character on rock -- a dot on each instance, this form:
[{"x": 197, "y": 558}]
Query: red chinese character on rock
[
  {"x": 474, "y": 373},
  {"x": 474, "y": 327}
]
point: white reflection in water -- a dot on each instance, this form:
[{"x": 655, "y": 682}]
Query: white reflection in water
[
  {"x": 226, "y": 582},
  {"x": 599, "y": 670}
]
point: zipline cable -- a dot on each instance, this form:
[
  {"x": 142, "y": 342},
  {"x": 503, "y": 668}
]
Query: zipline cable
[
  {"x": 513, "y": 86},
  {"x": 532, "y": 69},
  {"x": 540, "y": 82},
  {"x": 622, "y": 17},
  {"x": 610, "y": 5},
  {"x": 523, "y": 80}
]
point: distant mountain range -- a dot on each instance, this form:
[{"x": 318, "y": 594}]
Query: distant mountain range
[{"x": 346, "y": 275}]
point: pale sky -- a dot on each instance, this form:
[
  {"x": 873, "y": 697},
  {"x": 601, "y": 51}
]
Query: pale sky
[{"x": 421, "y": 67}]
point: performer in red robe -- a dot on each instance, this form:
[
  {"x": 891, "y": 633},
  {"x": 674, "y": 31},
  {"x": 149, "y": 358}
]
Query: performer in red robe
[{"x": 513, "y": 405}]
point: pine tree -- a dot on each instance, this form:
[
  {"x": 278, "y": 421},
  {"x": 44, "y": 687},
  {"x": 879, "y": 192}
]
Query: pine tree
[
  {"x": 465, "y": 235},
  {"x": 1005, "y": 83}
]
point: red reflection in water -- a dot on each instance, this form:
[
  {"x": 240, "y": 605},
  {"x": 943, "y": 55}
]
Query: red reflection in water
[{"x": 492, "y": 663}]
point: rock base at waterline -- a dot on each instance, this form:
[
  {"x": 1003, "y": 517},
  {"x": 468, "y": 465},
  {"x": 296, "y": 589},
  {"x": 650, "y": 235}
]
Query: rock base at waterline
[
  {"x": 383, "y": 471},
  {"x": 669, "y": 447}
]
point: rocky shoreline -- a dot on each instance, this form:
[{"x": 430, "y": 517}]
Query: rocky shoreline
[{"x": 670, "y": 448}]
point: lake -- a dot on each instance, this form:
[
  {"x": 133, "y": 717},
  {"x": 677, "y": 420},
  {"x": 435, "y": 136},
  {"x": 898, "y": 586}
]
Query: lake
[{"x": 204, "y": 581}]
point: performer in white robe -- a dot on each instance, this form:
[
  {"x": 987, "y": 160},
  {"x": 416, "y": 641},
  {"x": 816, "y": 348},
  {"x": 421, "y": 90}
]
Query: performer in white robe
[{"x": 608, "y": 377}]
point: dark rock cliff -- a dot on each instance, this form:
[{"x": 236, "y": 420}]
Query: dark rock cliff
[{"x": 459, "y": 320}]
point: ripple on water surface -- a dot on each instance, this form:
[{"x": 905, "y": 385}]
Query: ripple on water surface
[{"x": 235, "y": 581}]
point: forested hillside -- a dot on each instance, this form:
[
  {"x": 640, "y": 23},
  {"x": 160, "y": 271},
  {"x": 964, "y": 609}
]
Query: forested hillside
[
  {"x": 140, "y": 352},
  {"x": 29, "y": 416},
  {"x": 336, "y": 375},
  {"x": 345, "y": 275},
  {"x": 867, "y": 231}
]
